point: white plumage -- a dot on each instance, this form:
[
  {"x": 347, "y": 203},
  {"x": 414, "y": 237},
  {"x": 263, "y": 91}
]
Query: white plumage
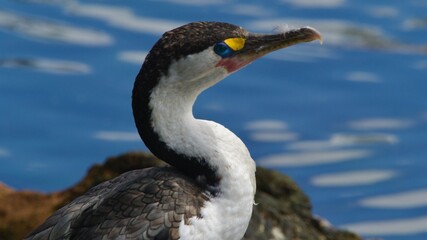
[{"x": 227, "y": 214}]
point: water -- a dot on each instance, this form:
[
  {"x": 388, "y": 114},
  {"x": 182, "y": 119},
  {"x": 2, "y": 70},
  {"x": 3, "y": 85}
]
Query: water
[{"x": 347, "y": 120}]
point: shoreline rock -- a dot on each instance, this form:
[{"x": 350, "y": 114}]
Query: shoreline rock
[{"x": 282, "y": 212}]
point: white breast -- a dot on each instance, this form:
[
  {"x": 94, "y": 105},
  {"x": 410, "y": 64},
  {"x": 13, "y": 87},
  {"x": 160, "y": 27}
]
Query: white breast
[{"x": 227, "y": 215}]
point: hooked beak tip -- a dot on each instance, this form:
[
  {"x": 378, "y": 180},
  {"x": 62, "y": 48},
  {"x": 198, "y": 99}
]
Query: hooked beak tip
[{"x": 316, "y": 34}]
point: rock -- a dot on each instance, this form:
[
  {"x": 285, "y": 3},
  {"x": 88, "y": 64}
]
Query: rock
[
  {"x": 21, "y": 211},
  {"x": 282, "y": 212}
]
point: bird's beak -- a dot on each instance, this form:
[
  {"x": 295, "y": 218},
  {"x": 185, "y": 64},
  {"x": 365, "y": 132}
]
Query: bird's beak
[{"x": 258, "y": 45}]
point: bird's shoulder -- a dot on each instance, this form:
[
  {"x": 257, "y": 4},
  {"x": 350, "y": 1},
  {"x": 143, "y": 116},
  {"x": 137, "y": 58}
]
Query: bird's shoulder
[{"x": 140, "y": 204}]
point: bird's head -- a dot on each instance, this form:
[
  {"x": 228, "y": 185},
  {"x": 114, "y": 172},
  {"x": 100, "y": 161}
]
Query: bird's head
[
  {"x": 198, "y": 55},
  {"x": 184, "y": 62}
]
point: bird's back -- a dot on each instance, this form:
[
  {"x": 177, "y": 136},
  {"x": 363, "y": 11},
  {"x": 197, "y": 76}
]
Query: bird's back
[{"x": 140, "y": 204}]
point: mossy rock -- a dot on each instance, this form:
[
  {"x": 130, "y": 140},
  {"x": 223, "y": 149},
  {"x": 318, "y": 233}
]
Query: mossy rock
[{"x": 282, "y": 212}]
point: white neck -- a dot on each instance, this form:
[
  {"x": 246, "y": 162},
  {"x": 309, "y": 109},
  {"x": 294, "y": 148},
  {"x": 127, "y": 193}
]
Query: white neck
[{"x": 171, "y": 102}]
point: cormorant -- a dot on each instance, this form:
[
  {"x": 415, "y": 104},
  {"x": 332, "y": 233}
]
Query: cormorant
[{"x": 208, "y": 192}]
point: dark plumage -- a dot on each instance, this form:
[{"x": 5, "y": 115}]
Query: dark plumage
[{"x": 140, "y": 204}]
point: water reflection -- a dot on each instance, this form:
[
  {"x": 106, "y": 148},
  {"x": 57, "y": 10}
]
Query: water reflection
[
  {"x": 270, "y": 131},
  {"x": 46, "y": 65},
  {"x": 352, "y": 178},
  {"x": 414, "y": 24},
  {"x": 117, "y": 136},
  {"x": 359, "y": 76},
  {"x": 314, "y": 152},
  {"x": 404, "y": 226},
  {"x": 315, "y": 3},
  {"x": 312, "y": 158},
  {"x": 134, "y": 57},
  {"x": 4, "y": 152},
  {"x": 340, "y": 140},
  {"x": 273, "y": 136},
  {"x": 380, "y": 123},
  {"x": 409, "y": 199},
  {"x": 38, "y": 28},
  {"x": 122, "y": 17},
  {"x": 266, "y": 124},
  {"x": 357, "y": 139},
  {"x": 383, "y": 12},
  {"x": 310, "y": 145}
]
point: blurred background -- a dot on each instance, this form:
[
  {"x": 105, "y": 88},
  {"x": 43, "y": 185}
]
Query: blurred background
[{"x": 347, "y": 119}]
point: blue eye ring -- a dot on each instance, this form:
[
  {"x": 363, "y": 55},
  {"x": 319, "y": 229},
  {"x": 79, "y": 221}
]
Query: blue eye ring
[{"x": 223, "y": 50}]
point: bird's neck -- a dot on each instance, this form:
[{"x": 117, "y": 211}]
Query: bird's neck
[{"x": 202, "y": 149}]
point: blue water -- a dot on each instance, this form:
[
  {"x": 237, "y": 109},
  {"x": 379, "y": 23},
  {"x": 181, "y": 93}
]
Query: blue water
[{"x": 346, "y": 119}]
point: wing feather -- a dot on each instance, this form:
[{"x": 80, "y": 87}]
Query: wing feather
[{"x": 140, "y": 204}]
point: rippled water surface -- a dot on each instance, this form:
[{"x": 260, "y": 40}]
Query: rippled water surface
[{"x": 346, "y": 119}]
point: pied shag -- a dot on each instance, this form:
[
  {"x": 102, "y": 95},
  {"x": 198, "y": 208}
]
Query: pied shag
[{"x": 208, "y": 192}]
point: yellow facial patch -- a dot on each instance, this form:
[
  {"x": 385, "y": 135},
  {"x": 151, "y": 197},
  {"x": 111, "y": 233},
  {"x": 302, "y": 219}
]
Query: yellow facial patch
[{"x": 235, "y": 43}]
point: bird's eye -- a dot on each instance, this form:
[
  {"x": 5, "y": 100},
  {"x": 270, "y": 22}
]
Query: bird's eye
[{"x": 222, "y": 49}]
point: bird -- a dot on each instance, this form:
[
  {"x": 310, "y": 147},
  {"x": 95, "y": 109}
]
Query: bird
[{"x": 208, "y": 190}]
